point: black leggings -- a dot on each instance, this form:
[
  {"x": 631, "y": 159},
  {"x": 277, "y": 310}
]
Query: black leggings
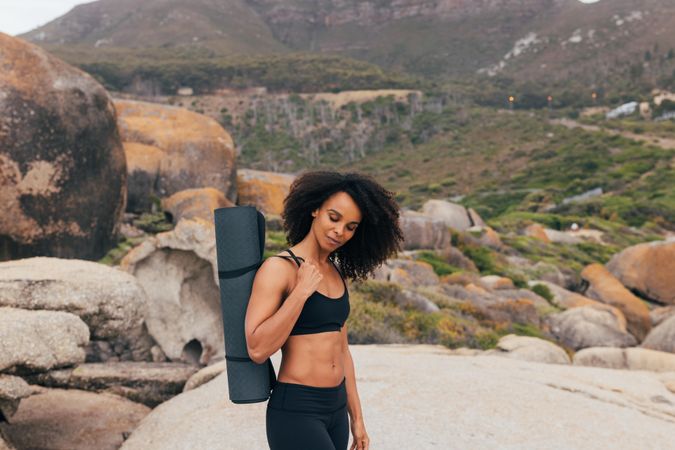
[{"x": 301, "y": 417}]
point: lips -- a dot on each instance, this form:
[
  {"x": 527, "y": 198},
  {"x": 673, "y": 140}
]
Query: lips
[{"x": 333, "y": 241}]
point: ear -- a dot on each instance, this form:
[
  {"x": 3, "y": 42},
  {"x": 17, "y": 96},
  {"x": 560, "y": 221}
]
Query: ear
[{"x": 315, "y": 212}]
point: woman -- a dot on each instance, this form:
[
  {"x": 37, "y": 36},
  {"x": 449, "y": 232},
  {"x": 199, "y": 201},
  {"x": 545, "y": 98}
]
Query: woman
[{"x": 296, "y": 305}]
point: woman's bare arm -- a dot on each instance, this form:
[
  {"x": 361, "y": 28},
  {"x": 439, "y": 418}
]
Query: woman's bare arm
[{"x": 268, "y": 325}]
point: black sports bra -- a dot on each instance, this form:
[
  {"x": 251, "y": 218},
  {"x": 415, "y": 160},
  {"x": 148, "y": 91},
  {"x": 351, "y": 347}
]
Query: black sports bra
[{"x": 321, "y": 313}]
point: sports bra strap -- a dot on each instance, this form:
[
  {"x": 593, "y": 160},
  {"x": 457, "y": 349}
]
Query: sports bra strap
[{"x": 295, "y": 258}]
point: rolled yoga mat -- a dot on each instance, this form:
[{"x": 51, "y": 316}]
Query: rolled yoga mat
[{"x": 240, "y": 243}]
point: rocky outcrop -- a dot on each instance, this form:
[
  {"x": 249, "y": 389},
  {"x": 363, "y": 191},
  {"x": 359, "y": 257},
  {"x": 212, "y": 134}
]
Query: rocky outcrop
[
  {"x": 662, "y": 337},
  {"x": 178, "y": 271},
  {"x": 12, "y": 390},
  {"x": 647, "y": 268},
  {"x": 414, "y": 300},
  {"x": 74, "y": 420},
  {"x": 407, "y": 273},
  {"x": 421, "y": 231},
  {"x": 626, "y": 358},
  {"x": 142, "y": 382},
  {"x": 205, "y": 375},
  {"x": 607, "y": 289},
  {"x": 195, "y": 204},
  {"x": 634, "y": 407},
  {"x": 264, "y": 190},
  {"x": 36, "y": 341},
  {"x": 199, "y": 152},
  {"x": 108, "y": 300},
  {"x": 58, "y": 141},
  {"x": 453, "y": 215},
  {"x": 564, "y": 299},
  {"x": 590, "y": 326},
  {"x": 529, "y": 349}
]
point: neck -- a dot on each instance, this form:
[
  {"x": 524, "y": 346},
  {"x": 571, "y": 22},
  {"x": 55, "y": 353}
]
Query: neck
[{"x": 309, "y": 248}]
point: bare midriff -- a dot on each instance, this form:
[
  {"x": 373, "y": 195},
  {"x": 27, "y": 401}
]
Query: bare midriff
[{"x": 313, "y": 359}]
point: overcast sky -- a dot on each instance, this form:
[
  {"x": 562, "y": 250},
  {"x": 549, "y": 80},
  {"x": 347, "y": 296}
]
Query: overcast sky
[{"x": 19, "y": 16}]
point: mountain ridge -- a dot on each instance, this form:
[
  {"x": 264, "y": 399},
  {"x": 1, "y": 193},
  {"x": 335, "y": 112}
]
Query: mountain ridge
[{"x": 549, "y": 40}]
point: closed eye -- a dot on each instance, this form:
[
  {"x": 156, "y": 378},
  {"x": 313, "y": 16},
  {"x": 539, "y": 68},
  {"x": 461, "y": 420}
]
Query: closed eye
[{"x": 336, "y": 220}]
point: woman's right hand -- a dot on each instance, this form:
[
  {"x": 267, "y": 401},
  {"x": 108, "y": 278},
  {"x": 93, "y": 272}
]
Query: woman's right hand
[{"x": 308, "y": 277}]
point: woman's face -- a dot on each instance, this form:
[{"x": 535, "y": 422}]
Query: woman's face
[{"x": 336, "y": 221}]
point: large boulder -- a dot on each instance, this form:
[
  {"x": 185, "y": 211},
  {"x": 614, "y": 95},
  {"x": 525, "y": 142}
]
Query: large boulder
[
  {"x": 590, "y": 326},
  {"x": 452, "y": 214},
  {"x": 199, "y": 152},
  {"x": 519, "y": 402},
  {"x": 422, "y": 231},
  {"x": 662, "y": 337},
  {"x": 626, "y": 358},
  {"x": 407, "y": 273},
  {"x": 36, "y": 341},
  {"x": 110, "y": 301},
  {"x": 647, "y": 268},
  {"x": 607, "y": 289},
  {"x": 529, "y": 348},
  {"x": 264, "y": 190},
  {"x": 178, "y": 271},
  {"x": 143, "y": 167},
  {"x": 195, "y": 203},
  {"x": 62, "y": 166},
  {"x": 74, "y": 420},
  {"x": 149, "y": 383},
  {"x": 564, "y": 299}
]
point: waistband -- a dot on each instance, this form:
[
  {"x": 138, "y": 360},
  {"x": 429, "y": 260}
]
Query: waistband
[{"x": 303, "y": 398}]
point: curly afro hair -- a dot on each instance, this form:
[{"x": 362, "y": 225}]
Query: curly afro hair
[{"x": 378, "y": 235}]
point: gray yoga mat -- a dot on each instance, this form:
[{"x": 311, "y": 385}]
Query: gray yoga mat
[{"x": 240, "y": 243}]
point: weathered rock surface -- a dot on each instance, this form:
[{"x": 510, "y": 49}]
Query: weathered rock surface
[
  {"x": 626, "y": 358},
  {"x": 662, "y": 337},
  {"x": 12, "y": 390},
  {"x": 199, "y": 152},
  {"x": 562, "y": 298},
  {"x": 59, "y": 419},
  {"x": 647, "y": 268},
  {"x": 407, "y": 273},
  {"x": 421, "y": 231},
  {"x": 264, "y": 190},
  {"x": 195, "y": 204},
  {"x": 58, "y": 139},
  {"x": 536, "y": 403},
  {"x": 205, "y": 375},
  {"x": 143, "y": 170},
  {"x": 141, "y": 382},
  {"x": 537, "y": 231},
  {"x": 414, "y": 300},
  {"x": 455, "y": 257},
  {"x": 110, "y": 301},
  {"x": 658, "y": 315},
  {"x": 35, "y": 341},
  {"x": 452, "y": 214},
  {"x": 496, "y": 282},
  {"x": 179, "y": 273},
  {"x": 607, "y": 289},
  {"x": 508, "y": 305},
  {"x": 529, "y": 349},
  {"x": 590, "y": 326}
]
